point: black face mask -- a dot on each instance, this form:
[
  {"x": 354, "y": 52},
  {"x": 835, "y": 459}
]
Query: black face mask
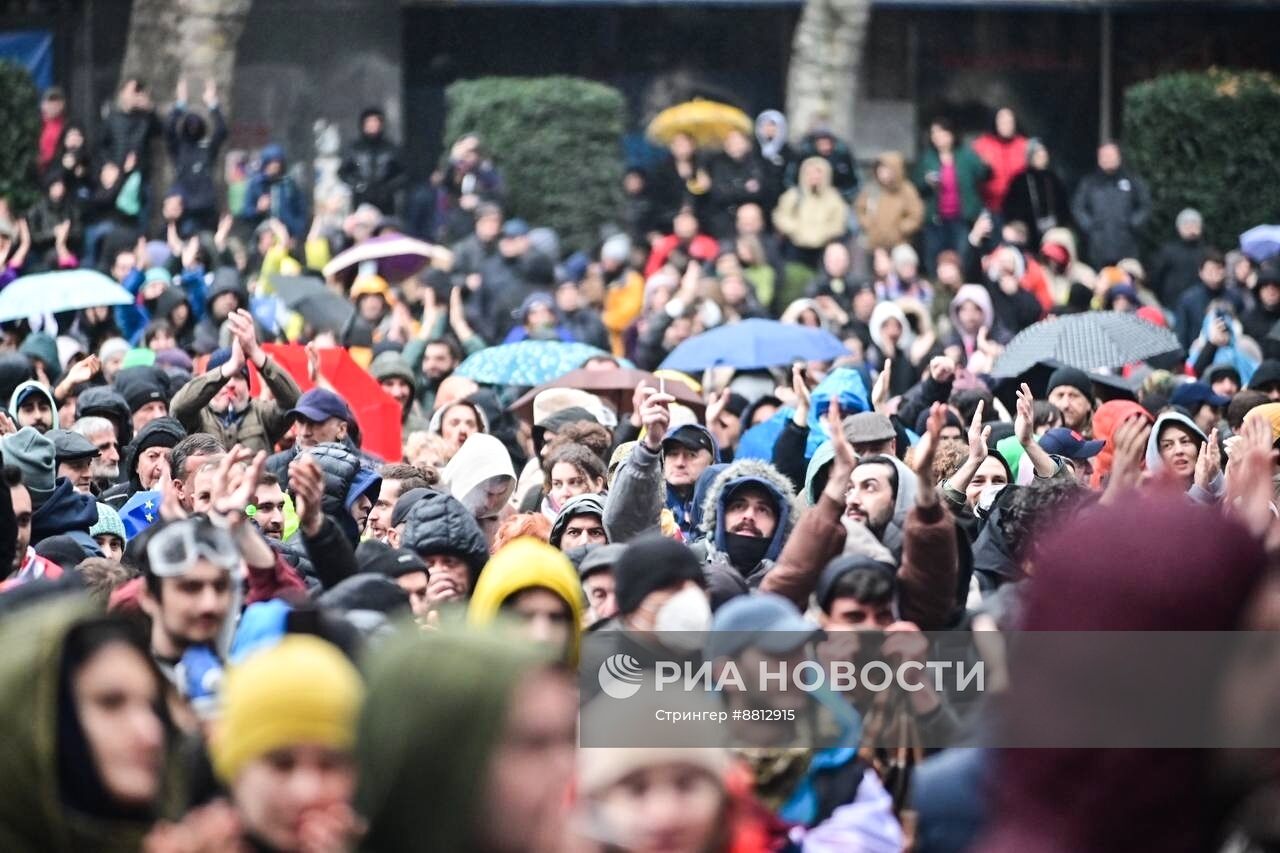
[{"x": 745, "y": 552}]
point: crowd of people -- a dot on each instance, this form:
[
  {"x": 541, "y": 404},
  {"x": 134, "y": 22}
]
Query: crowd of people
[{"x": 229, "y": 624}]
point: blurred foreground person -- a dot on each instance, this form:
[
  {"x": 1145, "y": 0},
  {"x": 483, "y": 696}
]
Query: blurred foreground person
[
  {"x": 87, "y": 739},
  {"x": 466, "y": 742}
]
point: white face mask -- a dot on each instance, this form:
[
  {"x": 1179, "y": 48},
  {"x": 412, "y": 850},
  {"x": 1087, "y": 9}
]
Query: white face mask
[{"x": 687, "y": 613}]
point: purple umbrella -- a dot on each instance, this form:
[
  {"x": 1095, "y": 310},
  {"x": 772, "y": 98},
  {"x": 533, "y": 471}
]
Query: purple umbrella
[{"x": 395, "y": 257}]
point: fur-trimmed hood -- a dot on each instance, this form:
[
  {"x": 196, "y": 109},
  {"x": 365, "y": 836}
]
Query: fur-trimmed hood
[{"x": 750, "y": 471}]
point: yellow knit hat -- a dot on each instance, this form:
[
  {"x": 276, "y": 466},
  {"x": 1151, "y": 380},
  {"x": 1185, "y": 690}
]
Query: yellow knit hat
[
  {"x": 527, "y": 563},
  {"x": 301, "y": 691}
]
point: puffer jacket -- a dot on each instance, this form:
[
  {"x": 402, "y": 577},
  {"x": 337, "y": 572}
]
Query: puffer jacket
[
  {"x": 724, "y": 579},
  {"x": 439, "y": 524},
  {"x": 811, "y": 219},
  {"x": 889, "y": 213},
  {"x": 345, "y": 480}
]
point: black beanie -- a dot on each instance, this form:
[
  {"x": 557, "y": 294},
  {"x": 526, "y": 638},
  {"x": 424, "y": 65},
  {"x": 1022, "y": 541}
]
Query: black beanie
[
  {"x": 1072, "y": 377},
  {"x": 652, "y": 563}
]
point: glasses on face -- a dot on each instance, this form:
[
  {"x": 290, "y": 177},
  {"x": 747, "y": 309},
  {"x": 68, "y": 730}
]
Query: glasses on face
[{"x": 176, "y": 548}]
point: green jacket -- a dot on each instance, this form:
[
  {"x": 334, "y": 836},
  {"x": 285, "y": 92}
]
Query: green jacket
[
  {"x": 436, "y": 708},
  {"x": 258, "y": 429},
  {"x": 971, "y": 172},
  {"x": 33, "y": 816}
]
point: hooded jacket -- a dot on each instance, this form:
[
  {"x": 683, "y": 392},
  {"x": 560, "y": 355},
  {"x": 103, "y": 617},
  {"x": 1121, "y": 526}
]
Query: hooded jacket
[
  {"x": 1106, "y": 420},
  {"x": 434, "y": 714},
  {"x": 41, "y": 389},
  {"x": 439, "y": 524},
  {"x": 258, "y": 427},
  {"x": 978, "y": 295},
  {"x": 891, "y": 212},
  {"x": 345, "y": 480},
  {"x": 574, "y": 507},
  {"x": 287, "y": 203},
  {"x": 34, "y": 814},
  {"x": 66, "y": 511},
  {"x": 481, "y": 458},
  {"x": 524, "y": 564},
  {"x": 373, "y": 170},
  {"x": 725, "y": 579},
  {"x": 1155, "y": 464},
  {"x": 208, "y": 330},
  {"x": 812, "y": 218}
]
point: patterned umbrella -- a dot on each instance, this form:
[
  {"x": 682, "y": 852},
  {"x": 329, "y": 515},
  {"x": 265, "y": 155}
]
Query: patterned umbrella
[
  {"x": 1094, "y": 340},
  {"x": 526, "y": 363}
]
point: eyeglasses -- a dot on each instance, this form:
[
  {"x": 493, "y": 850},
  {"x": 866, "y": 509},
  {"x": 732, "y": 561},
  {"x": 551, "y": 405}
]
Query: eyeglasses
[{"x": 174, "y": 549}]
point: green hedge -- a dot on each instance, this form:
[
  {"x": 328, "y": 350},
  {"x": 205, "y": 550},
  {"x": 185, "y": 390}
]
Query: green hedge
[
  {"x": 558, "y": 143},
  {"x": 1208, "y": 140},
  {"x": 19, "y": 136}
]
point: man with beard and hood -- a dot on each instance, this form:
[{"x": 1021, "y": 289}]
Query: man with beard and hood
[
  {"x": 747, "y": 514},
  {"x": 218, "y": 402},
  {"x": 480, "y": 476},
  {"x": 194, "y": 156},
  {"x": 225, "y": 295},
  {"x": 1151, "y": 564},
  {"x": 32, "y": 405},
  {"x": 1177, "y": 446},
  {"x": 661, "y": 471},
  {"x": 146, "y": 460},
  {"x": 272, "y": 194},
  {"x": 57, "y": 507},
  {"x": 372, "y": 165}
]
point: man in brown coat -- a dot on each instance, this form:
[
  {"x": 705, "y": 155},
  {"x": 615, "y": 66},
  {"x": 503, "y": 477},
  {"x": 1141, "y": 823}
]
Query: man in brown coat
[{"x": 218, "y": 402}]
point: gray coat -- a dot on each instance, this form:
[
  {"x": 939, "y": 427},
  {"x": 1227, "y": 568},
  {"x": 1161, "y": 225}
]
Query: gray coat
[{"x": 1110, "y": 209}]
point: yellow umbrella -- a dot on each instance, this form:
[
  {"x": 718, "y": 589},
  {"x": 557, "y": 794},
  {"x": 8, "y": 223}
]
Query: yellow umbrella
[{"x": 708, "y": 122}]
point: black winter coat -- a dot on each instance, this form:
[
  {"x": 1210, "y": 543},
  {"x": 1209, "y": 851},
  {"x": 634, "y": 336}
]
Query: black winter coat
[
  {"x": 194, "y": 160},
  {"x": 439, "y": 524},
  {"x": 373, "y": 170},
  {"x": 1175, "y": 269}
]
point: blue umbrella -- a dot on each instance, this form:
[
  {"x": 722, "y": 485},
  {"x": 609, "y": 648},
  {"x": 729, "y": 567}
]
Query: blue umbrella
[
  {"x": 52, "y": 292},
  {"x": 1261, "y": 242},
  {"x": 526, "y": 363},
  {"x": 753, "y": 344}
]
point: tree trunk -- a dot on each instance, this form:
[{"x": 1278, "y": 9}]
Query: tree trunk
[
  {"x": 195, "y": 39},
  {"x": 192, "y": 38},
  {"x": 826, "y": 59}
]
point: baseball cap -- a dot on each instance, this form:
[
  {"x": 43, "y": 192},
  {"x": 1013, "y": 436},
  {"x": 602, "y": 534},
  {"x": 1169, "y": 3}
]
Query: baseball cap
[
  {"x": 68, "y": 445},
  {"x": 867, "y": 427},
  {"x": 1070, "y": 444},
  {"x": 764, "y": 620},
  {"x": 1193, "y": 395},
  {"x": 515, "y": 228},
  {"x": 691, "y": 437},
  {"x": 320, "y": 405}
]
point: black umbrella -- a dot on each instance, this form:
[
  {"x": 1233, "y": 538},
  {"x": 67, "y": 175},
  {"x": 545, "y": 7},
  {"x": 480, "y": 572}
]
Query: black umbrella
[
  {"x": 320, "y": 307},
  {"x": 1095, "y": 340}
]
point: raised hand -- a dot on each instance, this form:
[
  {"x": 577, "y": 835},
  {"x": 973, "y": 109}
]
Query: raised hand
[
  {"x": 220, "y": 236},
  {"x": 1249, "y": 472},
  {"x": 1024, "y": 424},
  {"x": 246, "y": 334},
  {"x": 880, "y": 390},
  {"x": 941, "y": 369},
  {"x": 306, "y": 481},
  {"x": 1208, "y": 462},
  {"x": 84, "y": 370},
  {"x": 210, "y": 93},
  {"x": 655, "y": 417},
  {"x": 926, "y": 449},
  {"x": 1130, "y": 443},
  {"x": 845, "y": 458},
  {"x": 180, "y": 93},
  {"x": 978, "y": 434}
]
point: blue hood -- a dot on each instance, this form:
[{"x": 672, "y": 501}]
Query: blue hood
[
  {"x": 740, "y": 473},
  {"x": 64, "y": 511},
  {"x": 272, "y": 153},
  {"x": 845, "y": 385}
]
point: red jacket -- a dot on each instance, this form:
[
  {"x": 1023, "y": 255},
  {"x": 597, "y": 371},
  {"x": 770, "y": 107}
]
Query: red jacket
[
  {"x": 1007, "y": 159},
  {"x": 50, "y": 136}
]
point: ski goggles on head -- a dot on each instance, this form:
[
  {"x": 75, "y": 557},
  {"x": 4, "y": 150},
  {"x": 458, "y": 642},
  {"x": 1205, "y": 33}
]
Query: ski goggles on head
[{"x": 176, "y": 548}]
